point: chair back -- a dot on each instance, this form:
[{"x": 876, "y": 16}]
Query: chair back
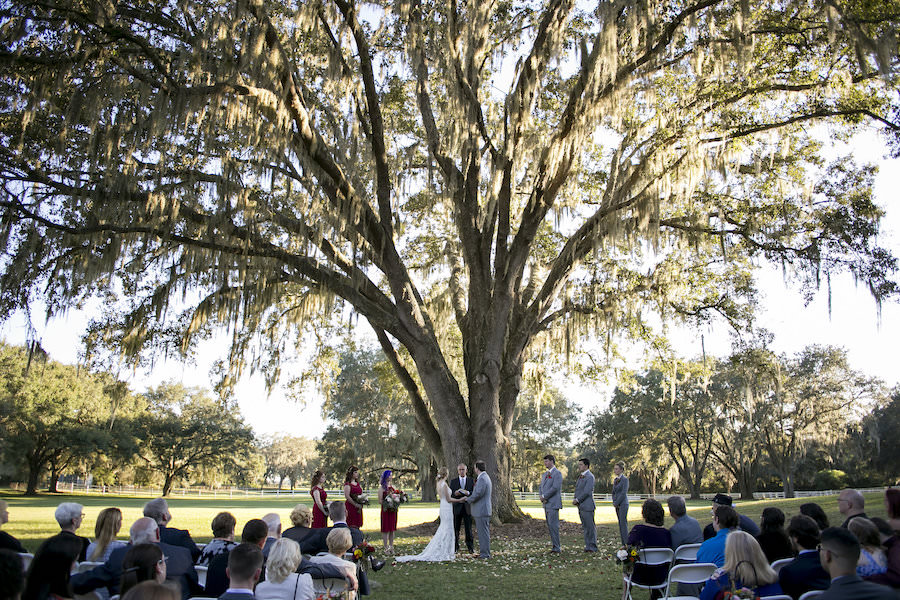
[
  {"x": 86, "y": 565},
  {"x": 655, "y": 556},
  {"x": 26, "y": 559},
  {"x": 777, "y": 564},
  {"x": 811, "y": 594},
  {"x": 686, "y": 552},
  {"x": 777, "y": 597},
  {"x": 202, "y": 571},
  {"x": 329, "y": 584},
  {"x": 694, "y": 573}
]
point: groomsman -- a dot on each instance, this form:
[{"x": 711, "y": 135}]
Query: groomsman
[
  {"x": 551, "y": 486},
  {"x": 584, "y": 500},
  {"x": 482, "y": 509},
  {"x": 620, "y": 499},
  {"x": 462, "y": 512}
]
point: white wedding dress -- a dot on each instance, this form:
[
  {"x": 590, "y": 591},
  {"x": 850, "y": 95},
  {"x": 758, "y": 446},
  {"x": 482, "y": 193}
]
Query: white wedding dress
[{"x": 441, "y": 547}]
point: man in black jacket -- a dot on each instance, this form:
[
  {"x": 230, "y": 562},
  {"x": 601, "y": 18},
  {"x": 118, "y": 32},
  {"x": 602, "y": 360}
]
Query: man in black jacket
[
  {"x": 158, "y": 510},
  {"x": 839, "y": 553},
  {"x": 805, "y": 573},
  {"x": 179, "y": 566},
  {"x": 462, "y": 511}
]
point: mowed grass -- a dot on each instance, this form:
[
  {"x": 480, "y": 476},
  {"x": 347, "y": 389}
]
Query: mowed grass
[{"x": 521, "y": 567}]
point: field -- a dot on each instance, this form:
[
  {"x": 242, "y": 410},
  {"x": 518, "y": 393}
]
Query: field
[{"x": 521, "y": 567}]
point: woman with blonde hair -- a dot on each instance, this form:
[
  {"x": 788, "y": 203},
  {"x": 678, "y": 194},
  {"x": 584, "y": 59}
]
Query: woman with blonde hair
[
  {"x": 745, "y": 567},
  {"x": 282, "y": 581},
  {"x": 301, "y": 519},
  {"x": 872, "y": 558},
  {"x": 109, "y": 522},
  {"x": 443, "y": 545}
]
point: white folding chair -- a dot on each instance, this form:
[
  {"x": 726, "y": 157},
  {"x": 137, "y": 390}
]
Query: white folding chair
[
  {"x": 686, "y": 553},
  {"x": 86, "y": 565},
  {"x": 811, "y": 594},
  {"x": 329, "y": 584},
  {"x": 201, "y": 574},
  {"x": 776, "y": 565},
  {"x": 26, "y": 559},
  {"x": 777, "y": 597},
  {"x": 649, "y": 557},
  {"x": 694, "y": 573}
]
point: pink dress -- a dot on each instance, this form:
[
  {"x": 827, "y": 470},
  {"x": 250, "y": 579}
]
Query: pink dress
[
  {"x": 389, "y": 517},
  {"x": 320, "y": 519},
  {"x": 354, "y": 515}
]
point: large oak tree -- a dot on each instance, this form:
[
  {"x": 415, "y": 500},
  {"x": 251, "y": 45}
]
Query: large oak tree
[{"x": 485, "y": 183}]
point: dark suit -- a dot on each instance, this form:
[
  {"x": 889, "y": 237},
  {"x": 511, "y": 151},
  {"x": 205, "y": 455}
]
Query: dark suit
[
  {"x": 850, "y": 518},
  {"x": 851, "y": 587},
  {"x": 8, "y": 542},
  {"x": 179, "y": 537},
  {"x": 236, "y": 596},
  {"x": 462, "y": 512},
  {"x": 805, "y": 573},
  {"x": 315, "y": 543},
  {"x": 179, "y": 568},
  {"x": 82, "y": 556},
  {"x": 297, "y": 534}
]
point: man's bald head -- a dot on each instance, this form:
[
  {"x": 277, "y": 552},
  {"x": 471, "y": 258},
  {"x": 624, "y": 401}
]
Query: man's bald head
[{"x": 144, "y": 531}]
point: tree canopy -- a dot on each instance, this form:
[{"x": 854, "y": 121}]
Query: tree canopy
[{"x": 487, "y": 184}]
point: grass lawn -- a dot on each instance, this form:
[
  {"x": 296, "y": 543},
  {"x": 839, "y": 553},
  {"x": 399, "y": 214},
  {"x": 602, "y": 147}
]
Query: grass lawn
[{"x": 521, "y": 567}]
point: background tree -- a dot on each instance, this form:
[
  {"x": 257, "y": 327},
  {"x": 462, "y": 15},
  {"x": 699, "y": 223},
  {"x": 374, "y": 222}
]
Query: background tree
[
  {"x": 509, "y": 177},
  {"x": 184, "y": 430},
  {"x": 289, "y": 457},
  {"x": 544, "y": 424},
  {"x": 53, "y": 415}
]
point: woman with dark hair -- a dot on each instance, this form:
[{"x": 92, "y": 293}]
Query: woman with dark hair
[
  {"x": 816, "y": 513},
  {"x": 651, "y": 534},
  {"x": 892, "y": 506},
  {"x": 320, "y": 501},
  {"x": 142, "y": 562},
  {"x": 772, "y": 539},
  {"x": 48, "y": 574},
  {"x": 109, "y": 522},
  {"x": 354, "y": 498},
  {"x": 223, "y": 538},
  {"x": 152, "y": 590}
]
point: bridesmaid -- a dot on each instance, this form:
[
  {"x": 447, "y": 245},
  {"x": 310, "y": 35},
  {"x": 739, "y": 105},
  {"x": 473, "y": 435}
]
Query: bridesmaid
[
  {"x": 388, "y": 517},
  {"x": 319, "y": 496},
  {"x": 353, "y": 499}
]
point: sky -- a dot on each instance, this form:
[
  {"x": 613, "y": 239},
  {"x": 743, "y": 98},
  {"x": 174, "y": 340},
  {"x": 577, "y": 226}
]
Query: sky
[{"x": 853, "y": 323}]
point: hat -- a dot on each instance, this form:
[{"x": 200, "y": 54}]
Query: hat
[{"x": 722, "y": 499}]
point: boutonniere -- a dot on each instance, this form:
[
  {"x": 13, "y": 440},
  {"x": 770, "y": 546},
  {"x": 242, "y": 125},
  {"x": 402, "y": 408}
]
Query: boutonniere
[
  {"x": 581, "y": 477},
  {"x": 549, "y": 476}
]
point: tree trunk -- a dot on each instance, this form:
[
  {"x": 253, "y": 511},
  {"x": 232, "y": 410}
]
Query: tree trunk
[
  {"x": 54, "y": 481},
  {"x": 427, "y": 481},
  {"x": 34, "y": 474},
  {"x": 745, "y": 483},
  {"x": 167, "y": 484}
]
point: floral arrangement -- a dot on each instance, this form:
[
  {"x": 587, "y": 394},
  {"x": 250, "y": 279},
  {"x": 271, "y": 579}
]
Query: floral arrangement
[
  {"x": 363, "y": 550},
  {"x": 360, "y": 498},
  {"x": 627, "y": 556},
  {"x": 332, "y": 594},
  {"x": 739, "y": 594},
  {"x": 393, "y": 500}
]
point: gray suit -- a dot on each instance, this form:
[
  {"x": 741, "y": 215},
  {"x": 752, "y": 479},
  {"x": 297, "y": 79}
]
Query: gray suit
[
  {"x": 480, "y": 499},
  {"x": 620, "y": 502},
  {"x": 584, "y": 495},
  {"x": 551, "y": 486}
]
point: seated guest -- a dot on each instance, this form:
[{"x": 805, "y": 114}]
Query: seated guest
[
  {"x": 745, "y": 523},
  {"x": 48, "y": 574},
  {"x": 179, "y": 566},
  {"x": 685, "y": 529},
  {"x": 151, "y": 590},
  {"x": 839, "y": 552},
  {"x": 745, "y": 566},
  {"x": 872, "y": 558},
  {"x": 316, "y": 541},
  {"x": 244, "y": 569},
  {"x": 301, "y": 519},
  {"x": 805, "y": 572},
  {"x": 254, "y": 533},
  {"x": 273, "y": 522},
  {"x": 69, "y": 516},
  {"x": 725, "y": 520},
  {"x": 889, "y": 539},
  {"x": 143, "y": 562},
  {"x": 339, "y": 541},
  {"x": 12, "y": 578},
  {"x": 892, "y": 506},
  {"x": 158, "y": 510},
  {"x": 7, "y": 541},
  {"x": 851, "y": 504},
  {"x": 282, "y": 581},
  {"x": 650, "y": 534},
  {"x": 223, "y": 538},
  {"x": 772, "y": 539},
  {"x": 107, "y": 527},
  {"x": 816, "y": 513}
]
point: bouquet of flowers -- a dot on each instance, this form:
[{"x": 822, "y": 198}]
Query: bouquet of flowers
[
  {"x": 360, "y": 498},
  {"x": 332, "y": 594},
  {"x": 739, "y": 594},
  {"x": 627, "y": 556},
  {"x": 393, "y": 500},
  {"x": 362, "y": 551}
]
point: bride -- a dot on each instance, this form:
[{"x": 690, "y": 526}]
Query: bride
[{"x": 441, "y": 546}]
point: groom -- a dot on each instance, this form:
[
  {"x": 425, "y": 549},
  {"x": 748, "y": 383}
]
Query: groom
[
  {"x": 480, "y": 501},
  {"x": 462, "y": 512}
]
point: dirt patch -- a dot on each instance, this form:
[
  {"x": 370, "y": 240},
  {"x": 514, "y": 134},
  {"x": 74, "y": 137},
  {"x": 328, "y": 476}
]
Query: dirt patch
[{"x": 530, "y": 528}]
